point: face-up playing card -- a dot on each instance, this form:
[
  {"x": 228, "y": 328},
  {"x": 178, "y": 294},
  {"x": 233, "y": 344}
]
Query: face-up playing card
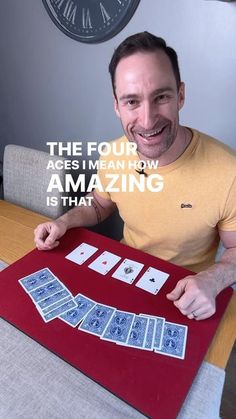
[
  {"x": 96, "y": 320},
  {"x": 127, "y": 271},
  {"x": 118, "y": 327},
  {"x": 83, "y": 252},
  {"x": 174, "y": 340},
  {"x": 152, "y": 280},
  {"x": 104, "y": 263}
]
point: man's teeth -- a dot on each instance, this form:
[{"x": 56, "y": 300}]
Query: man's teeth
[{"x": 150, "y": 134}]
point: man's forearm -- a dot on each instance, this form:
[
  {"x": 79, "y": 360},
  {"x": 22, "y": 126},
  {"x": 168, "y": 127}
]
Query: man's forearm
[
  {"x": 223, "y": 273},
  {"x": 85, "y": 216}
]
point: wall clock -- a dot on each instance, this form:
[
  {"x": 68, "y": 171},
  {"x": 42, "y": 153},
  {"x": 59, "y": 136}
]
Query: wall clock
[{"x": 91, "y": 21}]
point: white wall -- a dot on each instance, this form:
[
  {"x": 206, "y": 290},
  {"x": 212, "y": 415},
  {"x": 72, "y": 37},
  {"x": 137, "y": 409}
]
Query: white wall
[{"x": 55, "y": 88}]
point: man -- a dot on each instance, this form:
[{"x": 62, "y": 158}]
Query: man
[{"x": 197, "y": 206}]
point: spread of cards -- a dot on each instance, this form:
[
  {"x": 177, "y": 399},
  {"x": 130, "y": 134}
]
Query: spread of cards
[
  {"x": 151, "y": 281},
  {"x": 142, "y": 331}
]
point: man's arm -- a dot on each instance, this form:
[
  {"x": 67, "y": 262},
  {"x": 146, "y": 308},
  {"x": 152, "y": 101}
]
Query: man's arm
[
  {"x": 195, "y": 295},
  {"x": 47, "y": 235}
]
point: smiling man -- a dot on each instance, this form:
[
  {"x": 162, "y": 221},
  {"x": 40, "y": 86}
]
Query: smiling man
[
  {"x": 148, "y": 104},
  {"x": 184, "y": 222}
]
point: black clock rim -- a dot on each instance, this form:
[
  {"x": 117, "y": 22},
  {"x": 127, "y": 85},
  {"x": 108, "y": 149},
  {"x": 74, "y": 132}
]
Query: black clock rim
[{"x": 96, "y": 39}]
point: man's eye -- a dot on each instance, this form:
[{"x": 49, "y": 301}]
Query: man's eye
[
  {"x": 132, "y": 102},
  {"x": 162, "y": 98}
]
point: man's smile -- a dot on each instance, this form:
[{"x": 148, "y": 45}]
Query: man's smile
[{"x": 150, "y": 136}]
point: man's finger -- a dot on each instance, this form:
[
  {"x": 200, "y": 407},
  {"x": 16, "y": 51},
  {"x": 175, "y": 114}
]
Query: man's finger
[
  {"x": 176, "y": 293},
  {"x": 201, "y": 316},
  {"x": 51, "y": 239},
  {"x": 40, "y": 244},
  {"x": 186, "y": 302}
]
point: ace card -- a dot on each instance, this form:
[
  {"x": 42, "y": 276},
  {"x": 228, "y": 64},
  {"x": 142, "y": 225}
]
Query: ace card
[
  {"x": 81, "y": 253},
  {"x": 128, "y": 271},
  {"x": 104, "y": 263},
  {"x": 152, "y": 280}
]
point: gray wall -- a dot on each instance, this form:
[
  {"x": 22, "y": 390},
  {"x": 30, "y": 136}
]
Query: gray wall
[{"x": 53, "y": 88}]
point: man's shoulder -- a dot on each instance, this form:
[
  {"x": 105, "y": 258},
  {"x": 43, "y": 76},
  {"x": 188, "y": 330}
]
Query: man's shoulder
[{"x": 214, "y": 149}]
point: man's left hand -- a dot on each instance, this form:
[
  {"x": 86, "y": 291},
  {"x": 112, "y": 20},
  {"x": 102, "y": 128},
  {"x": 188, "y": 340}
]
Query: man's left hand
[{"x": 195, "y": 296}]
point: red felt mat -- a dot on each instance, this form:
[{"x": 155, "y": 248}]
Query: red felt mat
[{"x": 154, "y": 384}]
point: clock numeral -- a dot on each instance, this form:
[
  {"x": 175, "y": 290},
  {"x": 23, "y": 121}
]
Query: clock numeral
[
  {"x": 70, "y": 11},
  {"x": 58, "y": 3},
  {"x": 119, "y": 1},
  {"x": 105, "y": 16},
  {"x": 86, "y": 19}
]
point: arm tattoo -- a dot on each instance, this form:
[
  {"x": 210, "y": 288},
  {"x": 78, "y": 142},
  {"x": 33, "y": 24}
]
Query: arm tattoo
[{"x": 98, "y": 214}]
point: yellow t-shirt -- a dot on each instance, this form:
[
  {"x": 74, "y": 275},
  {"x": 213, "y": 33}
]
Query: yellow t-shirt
[{"x": 179, "y": 223}]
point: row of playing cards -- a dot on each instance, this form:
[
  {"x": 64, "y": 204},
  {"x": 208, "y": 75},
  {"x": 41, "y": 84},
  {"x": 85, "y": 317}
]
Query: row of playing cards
[
  {"x": 152, "y": 280},
  {"x": 48, "y": 293},
  {"x": 141, "y": 331},
  {"x": 52, "y": 299}
]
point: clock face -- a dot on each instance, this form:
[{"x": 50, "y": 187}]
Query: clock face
[{"x": 91, "y": 21}]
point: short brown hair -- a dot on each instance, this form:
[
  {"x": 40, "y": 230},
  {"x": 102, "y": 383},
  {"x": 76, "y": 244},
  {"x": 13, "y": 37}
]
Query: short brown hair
[{"x": 143, "y": 42}]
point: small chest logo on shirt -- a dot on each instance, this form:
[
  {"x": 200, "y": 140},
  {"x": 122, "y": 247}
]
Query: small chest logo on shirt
[{"x": 186, "y": 206}]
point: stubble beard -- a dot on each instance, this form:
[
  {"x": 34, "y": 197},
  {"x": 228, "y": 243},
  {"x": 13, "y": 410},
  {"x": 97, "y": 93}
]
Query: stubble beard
[{"x": 154, "y": 152}]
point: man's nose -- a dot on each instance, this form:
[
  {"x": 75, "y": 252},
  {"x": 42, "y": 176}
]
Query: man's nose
[{"x": 147, "y": 117}]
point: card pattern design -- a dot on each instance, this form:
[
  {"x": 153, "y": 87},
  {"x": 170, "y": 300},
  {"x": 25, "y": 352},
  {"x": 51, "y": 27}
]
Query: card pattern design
[
  {"x": 53, "y": 300},
  {"x": 174, "y": 340},
  {"x": 96, "y": 320}
]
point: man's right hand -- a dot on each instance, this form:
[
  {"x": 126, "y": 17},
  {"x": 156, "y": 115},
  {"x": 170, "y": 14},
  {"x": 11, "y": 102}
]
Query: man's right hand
[{"x": 47, "y": 235}]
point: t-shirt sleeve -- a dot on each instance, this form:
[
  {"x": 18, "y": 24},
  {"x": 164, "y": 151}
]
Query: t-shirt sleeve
[{"x": 228, "y": 220}]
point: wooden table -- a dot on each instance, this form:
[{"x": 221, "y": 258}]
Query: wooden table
[{"x": 16, "y": 239}]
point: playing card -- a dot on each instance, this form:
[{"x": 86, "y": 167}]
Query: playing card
[
  {"x": 104, "y": 263},
  {"x": 59, "y": 310},
  {"x": 174, "y": 340},
  {"x": 54, "y": 306},
  {"x": 75, "y": 316},
  {"x": 36, "y": 279},
  {"x": 137, "y": 332},
  {"x": 157, "y": 330},
  {"x": 46, "y": 290},
  {"x": 158, "y": 333},
  {"x": 119, "y": 326},
  {"x": 83, "y": 252},
  {"x": 96, "y": 320},
  {"x": 152, "y": 280},
  {"x": 52, "y": 299},
  {"x": 149, "y": 338},
  {"x": 127, "y": 271}
]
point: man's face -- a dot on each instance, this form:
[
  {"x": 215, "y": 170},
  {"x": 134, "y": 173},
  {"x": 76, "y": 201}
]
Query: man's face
[{"x": 148, "y": 102}]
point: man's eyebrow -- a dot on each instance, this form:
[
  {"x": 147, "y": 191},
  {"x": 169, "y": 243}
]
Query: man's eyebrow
[
  {"x": 162, "y": 90},
  {"x": 167, "y": 89},
  {"x": 129, "y": 96}
]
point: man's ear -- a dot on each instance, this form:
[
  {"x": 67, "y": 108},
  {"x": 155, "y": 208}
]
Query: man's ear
[
  {"x": 116, "y": 107},
  {"x": 181, "y": 95}
]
